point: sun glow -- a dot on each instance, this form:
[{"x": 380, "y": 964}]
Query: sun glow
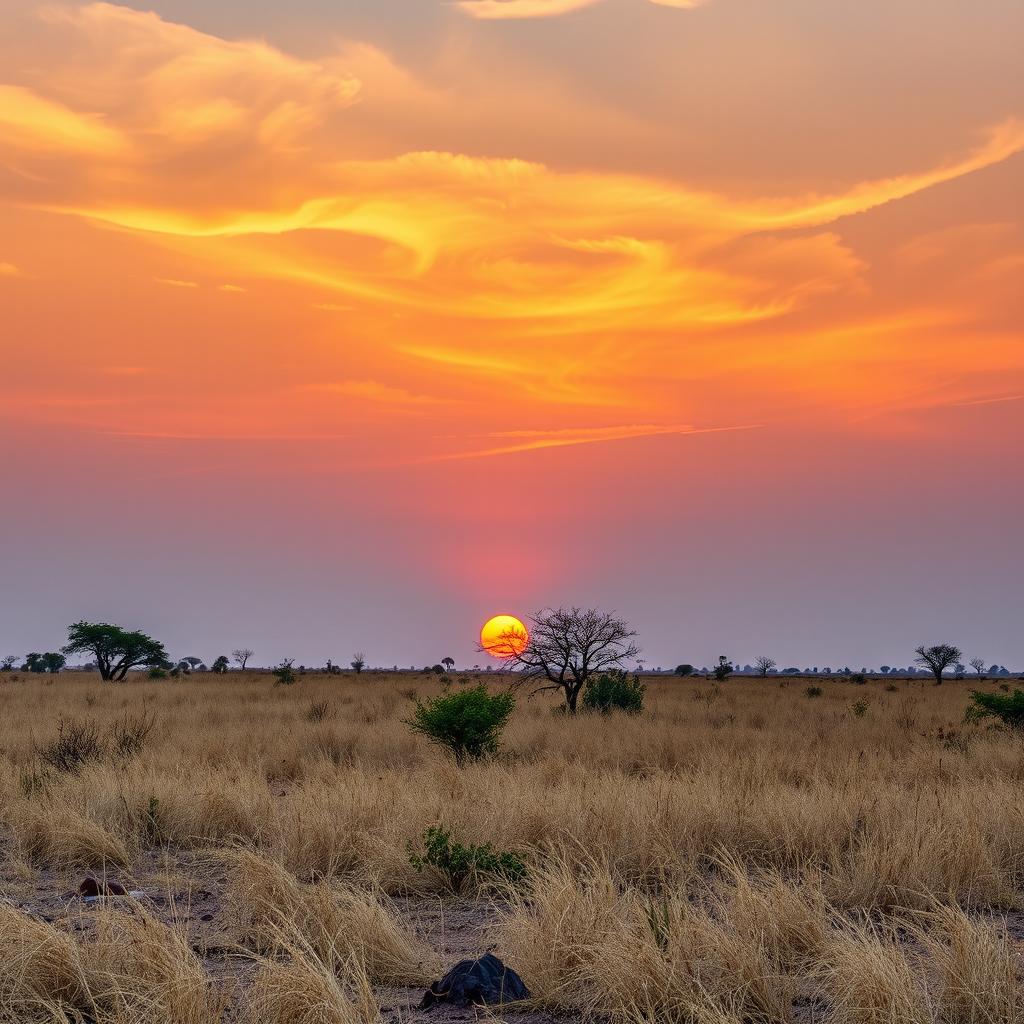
[{"x": 504, "y": 636}]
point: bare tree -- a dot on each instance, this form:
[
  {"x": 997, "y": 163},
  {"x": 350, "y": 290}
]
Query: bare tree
[
  {"x": 978, "y": 664},
  {"x": 764, "y": 665},
  {"x": 937, "y": 658},
  {"x": 241, "y": 655},
  {"x": 567, "y": 646},
  {"x": 8, "y": 663},
  {"x": 358, "y": 661}
]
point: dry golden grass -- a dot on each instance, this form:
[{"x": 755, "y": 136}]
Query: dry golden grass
[{"x": 735, "y": 853}]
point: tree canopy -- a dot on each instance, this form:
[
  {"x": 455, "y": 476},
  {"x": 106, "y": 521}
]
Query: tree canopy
[{"x": 115, "y": 649}]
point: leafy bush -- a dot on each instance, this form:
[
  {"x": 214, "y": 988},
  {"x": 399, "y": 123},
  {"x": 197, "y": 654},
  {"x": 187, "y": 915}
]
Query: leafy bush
[
  {"x": 156, "y": 672},
  {"x": 459, "y": 863},
  {"x": 859, "y": 708},
  {"x": 1008, "y": 708},
  {"x": 284, "y": 674},
  {"x": 814, "y": 691},
  {"x": 614, "y": 691},
  {"x": 77, "y": 744},
  {"x": 723, "y": 669},
  {"x": 684, "y": 670},
  {"x": 859, "y": 678},
  {"x": 468, "y": 723}
]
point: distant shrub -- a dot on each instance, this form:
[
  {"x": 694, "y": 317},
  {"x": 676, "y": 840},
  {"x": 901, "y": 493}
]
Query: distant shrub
[
  {"x": 891, "y": 688},
  {"x": 156, "y": 672},
  {"x": 614, "y": 691},
  {"x": 467, "y": 723},
  {"x": 284, "y": 674},
  {"x": 459, "y": 863},
  {"x": 77, "y": 744},
  {"x": 859, "y": 708},
  {"x": 814, "y": 691},
  {"x": 859, "y": 678},
  {"x": 684, "y": 670},
  {"x": 1008, "y": 708}
]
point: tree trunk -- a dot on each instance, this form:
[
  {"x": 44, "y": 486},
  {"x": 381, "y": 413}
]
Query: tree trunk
[{"x": 572, "y": 694}]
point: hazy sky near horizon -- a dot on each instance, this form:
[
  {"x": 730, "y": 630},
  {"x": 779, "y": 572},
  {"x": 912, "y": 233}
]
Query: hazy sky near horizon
[{"x": 343, "y": 324}]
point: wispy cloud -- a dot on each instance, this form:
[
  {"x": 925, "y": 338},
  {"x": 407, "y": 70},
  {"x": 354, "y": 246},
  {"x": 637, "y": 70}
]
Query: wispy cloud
[
  {"x": 10, "y": 270},
  {"x": 502, "y": 9},
  {"x": 534, "y": 440},
  {"x": 989, "y": 401},
  {"x": 493, "y": 10},
  {"x": 173, "y": 282},
  {"x": 374, "y": 391}
]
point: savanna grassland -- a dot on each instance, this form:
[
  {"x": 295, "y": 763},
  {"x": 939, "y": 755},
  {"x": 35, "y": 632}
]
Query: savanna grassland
[{"x": 737, "y": 853}]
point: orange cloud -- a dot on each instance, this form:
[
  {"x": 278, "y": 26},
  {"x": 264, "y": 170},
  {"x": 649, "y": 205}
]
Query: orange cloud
[
  {"x": 498, "y": 9},
  {"x": 491, "y": 10},
  {"x": 563, "y": 285}
]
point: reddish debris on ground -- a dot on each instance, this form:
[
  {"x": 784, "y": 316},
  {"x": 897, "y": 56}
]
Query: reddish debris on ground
[{"x": 95, "y": 887}]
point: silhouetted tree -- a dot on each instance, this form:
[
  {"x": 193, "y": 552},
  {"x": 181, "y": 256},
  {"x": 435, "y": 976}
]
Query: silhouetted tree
[
  {"x": 937, "y": 658},
  {"x": 684, "y": 670},
  {"x": 242, "y": 656},
  {"x": 52, "y": 662},
  {"x": 220, "y": 666},
  {"x": 116, "y": 650},
  {"x": 764, "y": 665},
  {"x": 723, "y": 669},
  {"x": 359, "y": 661},
  {"x": 978, "y": 665},
  {"x": 449, "y": 664},
  {"x": 8, "y": 663},
  {"x": 566, "y": 646}
]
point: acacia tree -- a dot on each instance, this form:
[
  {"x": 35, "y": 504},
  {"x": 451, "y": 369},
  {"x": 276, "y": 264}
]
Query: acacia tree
[
  {"x": 937, "y": 658},
  {"x": 764, "y": 665},
  {"x": 358, "y": 661},
  {"x": 978, "y": 664},
  {"x": 241, "y": 655},
  {"x": 448, "y": 663},
  {"x": 567, "y": 646},
  {"x": 116, "y": 650}
]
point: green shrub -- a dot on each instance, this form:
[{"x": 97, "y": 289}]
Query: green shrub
[
  {"x": 467, "y": 723},
  {"x": 814, "y": 691},
  {"x": 460, "y": 864},
  {"x": 614, "y": 691},
  {"x": 284, "y": 674},
  {"x": 156, "y": 672},
  {"x": 859, "y": 708},
  {"x": 1008, "y": 708}
]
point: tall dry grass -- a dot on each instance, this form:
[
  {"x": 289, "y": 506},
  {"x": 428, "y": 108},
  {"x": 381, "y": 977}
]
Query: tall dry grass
[{"x": 720, "y": 858}]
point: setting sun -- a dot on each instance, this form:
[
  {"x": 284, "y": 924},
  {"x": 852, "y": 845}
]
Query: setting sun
[{"x": 504, "y": 636}]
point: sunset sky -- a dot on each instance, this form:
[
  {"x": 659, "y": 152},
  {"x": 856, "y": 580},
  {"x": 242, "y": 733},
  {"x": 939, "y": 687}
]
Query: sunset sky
[{"x": 341, "y": 325}]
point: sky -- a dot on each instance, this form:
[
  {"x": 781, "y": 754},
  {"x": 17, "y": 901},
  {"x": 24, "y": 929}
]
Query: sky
[{"x": 341, "y": 325}]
